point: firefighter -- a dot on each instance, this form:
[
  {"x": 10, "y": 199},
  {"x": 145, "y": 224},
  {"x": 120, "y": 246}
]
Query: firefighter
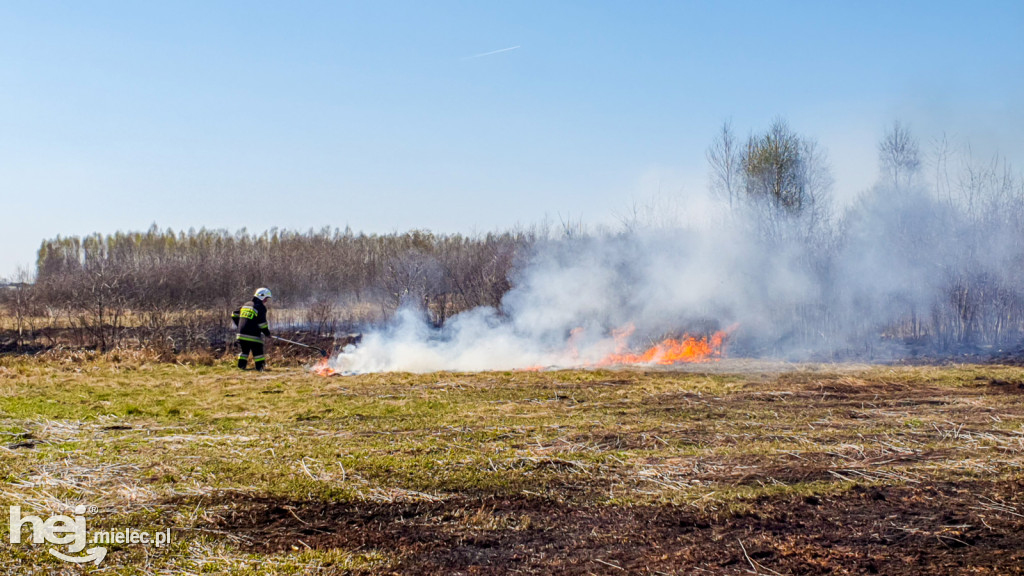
[{"x": 251, "y": 320}]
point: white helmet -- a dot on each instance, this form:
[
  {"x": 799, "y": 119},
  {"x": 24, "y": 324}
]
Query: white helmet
[{"x": 263, "y": 293}]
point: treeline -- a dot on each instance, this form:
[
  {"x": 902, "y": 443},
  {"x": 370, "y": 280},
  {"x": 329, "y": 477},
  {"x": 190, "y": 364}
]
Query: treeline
[
  {"x": 931, "y": 257},
  {"x": 176, "y": 289}
]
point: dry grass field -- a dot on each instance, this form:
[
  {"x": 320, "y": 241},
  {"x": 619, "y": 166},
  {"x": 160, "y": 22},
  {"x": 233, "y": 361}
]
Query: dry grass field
[{"x": 735, "y": 468}]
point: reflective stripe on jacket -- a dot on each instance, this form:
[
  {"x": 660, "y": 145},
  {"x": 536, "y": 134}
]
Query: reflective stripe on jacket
[{"x": 251, "y": 319}]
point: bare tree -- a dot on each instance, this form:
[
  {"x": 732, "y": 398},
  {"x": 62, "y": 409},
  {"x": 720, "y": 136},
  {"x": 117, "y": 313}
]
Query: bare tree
[
  {"x": 724, "y": 160},
  {"x": 942, "y": 153},
  {"x": 20, "y": 301},
  {"x": 899, "y": 156},
  {"x": 816, "y": 174}
]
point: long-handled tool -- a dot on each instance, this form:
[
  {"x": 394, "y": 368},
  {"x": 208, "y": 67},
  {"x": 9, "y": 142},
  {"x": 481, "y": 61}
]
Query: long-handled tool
[{"x": 320, "y": 350}]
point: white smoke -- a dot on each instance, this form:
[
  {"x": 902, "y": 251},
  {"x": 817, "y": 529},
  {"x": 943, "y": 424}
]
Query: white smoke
[
  {"x": 900, "y": 268},
  {"x": 575, "y": 295}
]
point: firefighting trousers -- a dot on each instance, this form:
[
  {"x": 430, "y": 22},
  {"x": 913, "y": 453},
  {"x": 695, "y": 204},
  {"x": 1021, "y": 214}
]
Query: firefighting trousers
[{"x": 257, "y": 354}]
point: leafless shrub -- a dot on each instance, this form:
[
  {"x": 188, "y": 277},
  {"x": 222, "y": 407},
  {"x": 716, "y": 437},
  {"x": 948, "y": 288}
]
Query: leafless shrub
[{"x": 162, "y": 288}]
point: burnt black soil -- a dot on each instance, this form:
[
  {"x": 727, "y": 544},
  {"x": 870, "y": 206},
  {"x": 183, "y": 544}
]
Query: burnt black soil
[{"x": 918, "y": 529}]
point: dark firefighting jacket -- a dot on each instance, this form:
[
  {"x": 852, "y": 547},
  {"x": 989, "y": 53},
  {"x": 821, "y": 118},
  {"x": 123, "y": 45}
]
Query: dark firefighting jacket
[{"x": 251, "y": 320}]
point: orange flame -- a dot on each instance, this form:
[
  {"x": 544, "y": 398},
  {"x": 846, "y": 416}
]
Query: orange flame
[
  {"x": 689, "y": 349},
  {"x": 671, "y": 351},
  {"x": 323, "y": 368}
]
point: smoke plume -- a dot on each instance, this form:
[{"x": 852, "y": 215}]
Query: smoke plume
[{"x": 908, "y": 268}]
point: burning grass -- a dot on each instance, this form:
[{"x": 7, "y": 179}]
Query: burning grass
[
  {"x": 511, "y": 352},
  {"x": 775, "y": 469}
]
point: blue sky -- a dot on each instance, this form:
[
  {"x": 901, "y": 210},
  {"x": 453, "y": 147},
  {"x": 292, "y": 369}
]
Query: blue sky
[{"x": 116, "y": 115}]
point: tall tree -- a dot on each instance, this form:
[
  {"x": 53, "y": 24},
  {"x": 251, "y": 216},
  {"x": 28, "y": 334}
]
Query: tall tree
[
  {"x": 899, "y": 156},
  {"x": 724, "y": 160},
  {"x": 773, "y": 169}
]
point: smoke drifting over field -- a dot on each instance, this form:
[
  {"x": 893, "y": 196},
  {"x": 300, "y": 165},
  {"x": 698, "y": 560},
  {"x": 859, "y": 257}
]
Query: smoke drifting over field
[
  {"x": 571, "y": 306},
  {"x": 574, "y": 301},
  {"x": 907, "y": 268}
]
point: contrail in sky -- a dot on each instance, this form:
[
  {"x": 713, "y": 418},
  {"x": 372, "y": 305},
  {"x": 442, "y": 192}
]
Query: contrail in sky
[{"x": 491, "y": 52}]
